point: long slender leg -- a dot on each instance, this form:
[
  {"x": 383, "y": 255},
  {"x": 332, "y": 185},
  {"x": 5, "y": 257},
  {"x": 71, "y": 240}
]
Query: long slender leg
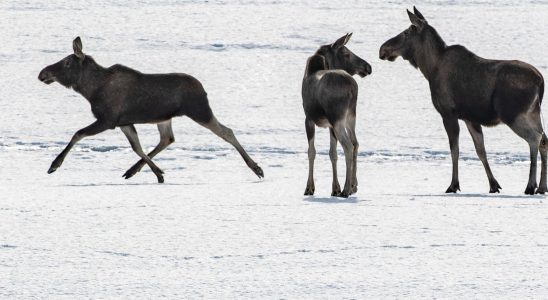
[
  {"x": 477, "y": 136},
  {"x": 536, "y": 120},
  {"x": 228, "y": 135},
  {"x": 166, "y": 138},
  {"x": 532, "y": 135},
  {"x": 351, "y": 120},
  {"x": 310, "y": 132},
  {"x": 543, "y": 147},
  {"x": 133, "y": 138},
  {"x": 335, "y": 187},
  {"x": 452, "y": 129},
  {"x": 93, "y": 129},
  {"x": 342, "y": 136}
]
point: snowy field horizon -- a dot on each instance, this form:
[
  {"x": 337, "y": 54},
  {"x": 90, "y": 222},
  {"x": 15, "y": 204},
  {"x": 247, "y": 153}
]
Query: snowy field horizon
[{"x": 213, "y": 229}]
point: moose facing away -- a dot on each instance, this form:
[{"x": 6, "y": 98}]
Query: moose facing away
[
  {"x": 480, "y": 91},
  {"x": 121, "y": 97},
  {"x": 329, "y": 100}
]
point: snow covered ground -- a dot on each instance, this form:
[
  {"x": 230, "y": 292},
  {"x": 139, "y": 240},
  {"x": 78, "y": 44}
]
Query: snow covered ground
[{"x": 213, "y": 229}]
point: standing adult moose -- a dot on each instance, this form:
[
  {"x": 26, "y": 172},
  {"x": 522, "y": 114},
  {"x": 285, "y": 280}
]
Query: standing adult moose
[
  {"x": 329, "y": 100},
  {"x": 121, "y": 97},
  {"x": 482, "y": 92}
]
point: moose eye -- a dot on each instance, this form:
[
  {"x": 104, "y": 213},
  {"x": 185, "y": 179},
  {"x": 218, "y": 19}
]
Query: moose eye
[{"x": 66, "y": 64}]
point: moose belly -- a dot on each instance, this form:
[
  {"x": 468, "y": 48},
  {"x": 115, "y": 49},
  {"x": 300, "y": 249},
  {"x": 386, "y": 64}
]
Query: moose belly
[
  {"x": 151, "y": 113},
  {"x": 482, "y": 114},
  {"x": 322, "y": 122}
]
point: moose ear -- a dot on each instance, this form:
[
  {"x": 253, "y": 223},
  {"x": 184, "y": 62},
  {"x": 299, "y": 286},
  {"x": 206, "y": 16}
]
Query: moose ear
[
  {"x": 341, "y": 41},
  {"x": 77, "y": 47},
  {"x": 419, "y": 23},
  {"x": 418, "y": 13}
]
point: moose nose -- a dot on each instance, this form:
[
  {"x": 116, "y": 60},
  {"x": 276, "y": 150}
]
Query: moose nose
[
  {"x": 45, "y": 76},
  {"x": 368, "y": 69},
  {"x": 383, "y": 53}
]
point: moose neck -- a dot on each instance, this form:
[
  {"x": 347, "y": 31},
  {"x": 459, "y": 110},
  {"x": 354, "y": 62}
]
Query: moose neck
[
  {"x": 92, "y": 78},
  {"x": 429, "y": 53}
]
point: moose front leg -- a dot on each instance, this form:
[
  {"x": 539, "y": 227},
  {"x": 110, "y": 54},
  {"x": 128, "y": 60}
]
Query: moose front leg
[
  {"x": 452, "y": 129},
  {"x": 166, "y": 138},
  {"x": 93, "y": 129},
  {"x": 133, "y": 138}
]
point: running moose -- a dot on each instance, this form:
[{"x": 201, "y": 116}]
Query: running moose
[
  {"x": 480, "y": 91},
  {"x": 121, "y": 97}
]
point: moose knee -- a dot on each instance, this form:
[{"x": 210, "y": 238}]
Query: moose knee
[{"x": 228, "y": 132}]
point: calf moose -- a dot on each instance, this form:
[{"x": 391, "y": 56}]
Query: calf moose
[
  {"x": 329, "y": 100},
  {"x": 121, "y": 97},
  {"x": 479, "y": 91}
]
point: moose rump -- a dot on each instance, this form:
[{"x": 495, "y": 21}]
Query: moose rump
[{"x": 333, "y": 95}]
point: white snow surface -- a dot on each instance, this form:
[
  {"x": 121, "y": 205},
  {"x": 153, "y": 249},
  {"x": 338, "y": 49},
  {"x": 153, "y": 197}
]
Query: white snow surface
[{"x": 213, "y": 230}]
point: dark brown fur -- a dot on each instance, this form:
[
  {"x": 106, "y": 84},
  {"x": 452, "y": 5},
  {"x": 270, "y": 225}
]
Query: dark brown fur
[
  {"x": 479, "y": 91},
  {"x": 121, "y": 97}
]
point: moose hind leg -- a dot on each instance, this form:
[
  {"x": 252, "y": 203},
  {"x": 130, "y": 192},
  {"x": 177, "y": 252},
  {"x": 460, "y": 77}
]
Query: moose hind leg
[
  {"x": 352, "y": 133},
  {"x": 166, "y": 138},
  {"x": 543, "y": 147},
  {"x": 522, "y": 127},
  {"x": 335, "y": 187},
  {"x": 228, "y": 135},
  {"x": 342, "y": 136},
  {"x": 477, "y": 136},
  {"x": 133, "y": 138}
]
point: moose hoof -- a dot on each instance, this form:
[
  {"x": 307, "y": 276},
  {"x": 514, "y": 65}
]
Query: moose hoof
[
  {"x": 309, "y": 191},
  {"x": 354, "y": 190},
  {"x": 453, "y": 188},
  {"x": 541, "y": 190},
  {"x": 344, "y": 194},
  {"x": 530, "y": 189},
  {"x": 55, "y": 165},
  {"x": 335, "y": 191},
  {"x": 258, "y": 171},
  {"x": 495, "y": 188},
  {"x": 130, "y": 173},
  {"x": 160, "y": 179}
]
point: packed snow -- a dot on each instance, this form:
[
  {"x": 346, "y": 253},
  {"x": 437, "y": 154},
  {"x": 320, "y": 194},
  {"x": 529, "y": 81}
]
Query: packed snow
[{"x": 213, "y": 229}]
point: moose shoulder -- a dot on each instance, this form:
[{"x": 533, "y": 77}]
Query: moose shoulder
[
  {"x": 121, "y": 97},
  {"x": 477, "y": 90}
]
